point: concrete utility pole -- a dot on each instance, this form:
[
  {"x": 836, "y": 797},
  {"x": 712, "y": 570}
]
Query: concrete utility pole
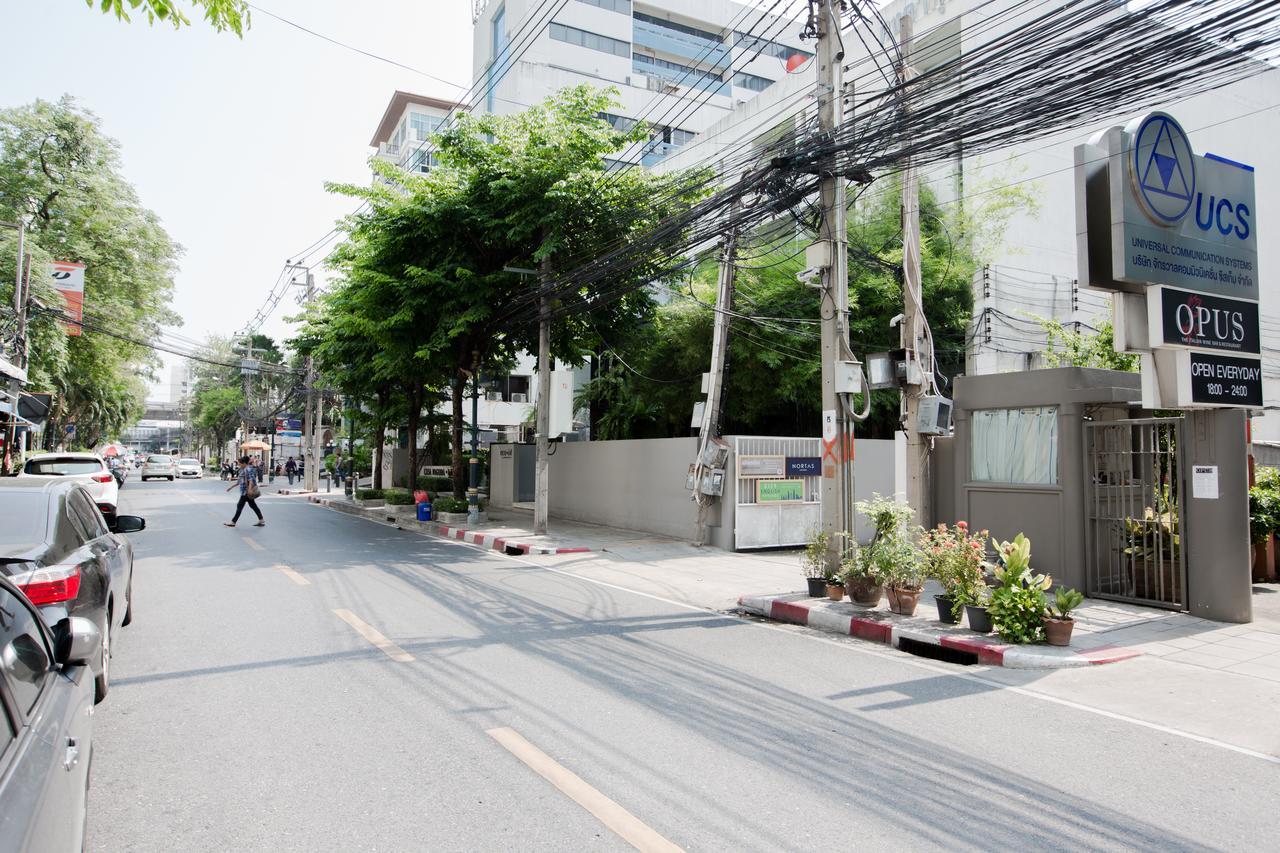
[
  {"x": 473, "y": 480},
  {"x": 835, "y": 287},
  {"x": 542, "y": 459},
  {"x": 912, "y": 333},
  {"x": 311, "y": 417},
  {"x": 709, "y": 430}
]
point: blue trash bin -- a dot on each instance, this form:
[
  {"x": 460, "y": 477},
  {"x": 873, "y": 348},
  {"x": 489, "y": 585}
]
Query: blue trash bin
[{"x": 424, "y": 511}]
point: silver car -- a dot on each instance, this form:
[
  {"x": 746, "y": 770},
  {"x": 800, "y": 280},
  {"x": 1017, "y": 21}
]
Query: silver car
[
  {"x": 158, "y": 466},
  {"x": 190, "y": 468},
  {"x": 46, "y": 726}
]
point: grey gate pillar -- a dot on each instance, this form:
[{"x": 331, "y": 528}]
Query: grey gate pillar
[{"x": 1216, "y": 528}]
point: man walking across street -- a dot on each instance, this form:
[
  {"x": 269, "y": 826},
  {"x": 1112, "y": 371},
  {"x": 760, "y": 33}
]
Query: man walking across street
[
  {"x": 290, "y": 468},
  {"x": 248, "y": 483}
]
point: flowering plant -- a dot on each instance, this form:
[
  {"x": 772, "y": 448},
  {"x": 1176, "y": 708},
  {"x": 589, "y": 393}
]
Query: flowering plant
[{"x": 953, "y": 557}]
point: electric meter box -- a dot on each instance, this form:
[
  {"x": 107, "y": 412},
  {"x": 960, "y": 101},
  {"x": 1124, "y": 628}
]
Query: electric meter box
[
  {"x": 848, "y": 377},
  {"x": 934, "y": 416}
]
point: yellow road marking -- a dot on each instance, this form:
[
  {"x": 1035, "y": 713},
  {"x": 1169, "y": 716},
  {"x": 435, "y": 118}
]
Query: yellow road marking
[
  {"x": 371, "y": 634},
  {"x": 623, "y": 823},
  {"x": 252, "y": 544},
  {"x": 293, "y": 576}
]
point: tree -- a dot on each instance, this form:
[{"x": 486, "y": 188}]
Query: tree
[
  {"x": 222, "y": 15},
  {"x": 215, "y": 413},
  {"x": 512, "y": 191},
  {"x": 1082, "y": 348},
  {"x": 61, "y": 174}
]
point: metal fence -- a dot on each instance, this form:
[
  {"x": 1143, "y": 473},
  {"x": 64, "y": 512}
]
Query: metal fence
[{"x": 1135, "y": 477}]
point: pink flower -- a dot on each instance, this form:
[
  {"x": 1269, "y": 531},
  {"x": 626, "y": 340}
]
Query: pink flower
[{"x": 963, "y": 525}]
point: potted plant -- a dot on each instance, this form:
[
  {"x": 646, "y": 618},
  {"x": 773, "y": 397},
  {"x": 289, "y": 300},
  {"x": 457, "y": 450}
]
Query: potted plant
[
  {"x": 1018, "y": 606},
  {"x": 1058, "y": 624},
  {"x": 835, "y": 587},
  {"x": 864, "y": 587},
  {"x": 814, "y": 562},
  {"x": 953, "y": 558},
  {"x": 892, "y": 557},
  {"x": 975, "y": 610}
]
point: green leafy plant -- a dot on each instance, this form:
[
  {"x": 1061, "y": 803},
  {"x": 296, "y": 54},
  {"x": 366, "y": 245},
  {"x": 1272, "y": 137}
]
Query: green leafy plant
[
  {"x": 814, "y": 559},
  {"x": 1018, "y": 605},
  {"x": 1264, "y": 505},
  {"x": 397, "y": 497},
  {"x": 451, "y": 504},
  {"x": 1064, "y": 601},
  {"x": 953, "y": 556},
  {"x": 369, "y": 494},
  {"x": 893, "y": 556}
]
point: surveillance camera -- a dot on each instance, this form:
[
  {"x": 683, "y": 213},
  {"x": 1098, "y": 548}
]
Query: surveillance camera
[
  {"x": 809, "y": 274},
  {"x": 897, "y": 318}
]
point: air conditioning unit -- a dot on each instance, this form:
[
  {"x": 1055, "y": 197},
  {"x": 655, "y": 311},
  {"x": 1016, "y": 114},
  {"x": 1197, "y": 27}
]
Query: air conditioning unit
[
  {"x": 519, "y": 398},
  {"x": 493, "y": 396},
  {"x": 935, "y": 416}
]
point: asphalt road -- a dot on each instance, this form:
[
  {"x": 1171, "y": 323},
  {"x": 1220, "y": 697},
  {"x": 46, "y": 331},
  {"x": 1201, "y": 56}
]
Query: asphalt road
[{"x": 327, "y": 683}]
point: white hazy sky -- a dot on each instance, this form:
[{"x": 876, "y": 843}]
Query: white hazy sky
[{"x": 231, "y": 140}]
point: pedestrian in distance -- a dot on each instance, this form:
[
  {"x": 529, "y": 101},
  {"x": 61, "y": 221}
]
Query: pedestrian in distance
[
  {"x": 247, "y": 480},
  {"x": 290, "y": 469}
]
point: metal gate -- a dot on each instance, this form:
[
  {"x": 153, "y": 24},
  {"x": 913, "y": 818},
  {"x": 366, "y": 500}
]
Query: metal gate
[{"x": 1134, "y": 471}]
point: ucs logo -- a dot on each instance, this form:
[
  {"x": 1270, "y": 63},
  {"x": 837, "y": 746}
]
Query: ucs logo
[{"x": 1164, "y": 177}]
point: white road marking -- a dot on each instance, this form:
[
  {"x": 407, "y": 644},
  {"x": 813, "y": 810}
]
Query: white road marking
[
  {"x": 894, "y": 656},
  {"x": 371, "y": 634},
  {"x": 253, "y": 543},
  {"x": 293, "y": 576},
  {"x": 623, "y": 823}
]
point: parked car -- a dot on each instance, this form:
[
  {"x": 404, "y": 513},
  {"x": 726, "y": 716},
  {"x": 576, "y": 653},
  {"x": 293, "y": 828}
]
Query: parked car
[
  {"x": 157, "y": 466},
  {"x": 63, "y": 554},
  {"x": 88, "y": 469},
  {"x": 190, "y": 468},
  {"x": 46, "y": 726}
]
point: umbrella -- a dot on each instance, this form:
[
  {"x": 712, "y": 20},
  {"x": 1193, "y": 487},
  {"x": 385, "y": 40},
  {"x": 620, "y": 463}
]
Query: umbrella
[
  {"x": 255, "y": 445},
  {"x": 112, "y": 450}
]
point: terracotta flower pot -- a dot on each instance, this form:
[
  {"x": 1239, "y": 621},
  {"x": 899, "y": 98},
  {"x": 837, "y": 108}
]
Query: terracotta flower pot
[
  {"x": 817, "y": 587},
  {"x": 904, "y": 601},
  {"x": 865, "y": 592},
  {"x": 1057, "y": 632},
  {"x": 835, "y": 591}
]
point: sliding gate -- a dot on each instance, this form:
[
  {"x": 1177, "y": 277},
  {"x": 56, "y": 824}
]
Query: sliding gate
[{"x": 1134, "y": 471}]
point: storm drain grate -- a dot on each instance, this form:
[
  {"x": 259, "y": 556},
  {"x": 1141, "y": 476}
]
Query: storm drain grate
[{"x": 942, "y": 653}]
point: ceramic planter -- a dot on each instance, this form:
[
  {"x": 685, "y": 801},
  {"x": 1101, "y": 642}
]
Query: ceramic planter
[
  {"x": 1057, "y": 632},
  {"x": 865, "y": 592},
  {"x": 835, "y": 591},
  {"x": 904, "y": 601},
  {"x": 817, "y": 587},
  {"x": 944, "y": 609},
  {"x": 978, "y": 619}
]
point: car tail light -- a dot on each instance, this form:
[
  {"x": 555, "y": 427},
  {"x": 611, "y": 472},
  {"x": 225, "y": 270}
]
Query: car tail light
[
  {"x": 102, "y": 478},
  {"x": 106, "y": 509},
  {"x": 49, "y": 585}
]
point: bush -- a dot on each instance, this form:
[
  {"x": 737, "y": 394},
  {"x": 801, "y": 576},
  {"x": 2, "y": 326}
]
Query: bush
[
  {"x": 432, "y": 484},
  {"x": 893, "y": 557},
  {"x": 1018, "y": 605},
  {"x": 397, "y": 497},
  {"x": 451, "y": 504},
  {"x": 370, "y": 494},
  {"x": 953, "y": 557},
  {"x": 1264, "y": 505}
]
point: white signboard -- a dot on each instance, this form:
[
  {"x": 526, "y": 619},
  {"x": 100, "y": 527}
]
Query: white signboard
[{"x": 1204, "y": 482}]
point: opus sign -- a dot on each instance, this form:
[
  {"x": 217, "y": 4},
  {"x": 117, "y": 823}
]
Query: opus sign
[{"x": 1183, "y": 318}]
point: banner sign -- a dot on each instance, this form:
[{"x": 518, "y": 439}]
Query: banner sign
[
  {"x": 1182, "y": 318},
  {"x": 761, "y": 466},
  {"x": 779, "y": 491},
  {"x": 68, "y": 279},
  {"x": 804, "y": 466},
  {"x": 1221, "y": 380}
]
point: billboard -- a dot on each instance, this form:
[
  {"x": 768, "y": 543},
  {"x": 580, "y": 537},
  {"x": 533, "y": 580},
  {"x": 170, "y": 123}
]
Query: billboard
[{"x": 68, "y": 279}]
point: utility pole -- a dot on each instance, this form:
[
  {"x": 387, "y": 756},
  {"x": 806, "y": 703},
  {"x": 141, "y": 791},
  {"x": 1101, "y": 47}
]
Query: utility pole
[
  {"x": 473, "y": 481},
  {"x": 832, "y": 240},
  {"x": 913, "y": 338},
  {"x": 542, "y": 458},
  {"x": 710, "y": 427},
  {"x": 311, "y": 418}
]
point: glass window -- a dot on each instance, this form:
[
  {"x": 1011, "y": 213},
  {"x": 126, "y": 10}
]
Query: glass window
[
  {"x": 158, "y": 460},
  {"x": 62, "y": 465},
  {"x": 424, "y": 125},
  {"x": 24, "y": 657},
  {"x": 673, "y": 71},
  {"x": 84, "y": 510},
  {"x": 623, "y": 6},
  {"x": 498, "y": 42},
  {"x": 680, "y": 28},
  {"x": 619, "y": 123},
  {"x": 26, "y": 518},
  {"x": 604, "y": 44},
  {"x": 1015, "y": 446},
  {"x": 751, "y": 81},
  {"x": 746, "y": 41}
]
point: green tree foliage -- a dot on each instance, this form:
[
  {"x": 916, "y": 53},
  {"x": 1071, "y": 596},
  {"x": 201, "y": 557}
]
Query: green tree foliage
[
  {"x": 424, "y": 266},
  {"x": 61, "y": 174},
  {"x": 215, "y": 413},
  {"x": 1080, "y": 348},
  {"x": 222, "y": 15}
]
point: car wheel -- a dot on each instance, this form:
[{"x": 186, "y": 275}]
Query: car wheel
[
  {"x": 170, "y": 479},
  {"x": 102, "y": 683},
  {"x": 128, "y": 601}
]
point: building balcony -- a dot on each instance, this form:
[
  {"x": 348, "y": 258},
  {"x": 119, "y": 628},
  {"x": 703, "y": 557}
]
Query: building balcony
[
  {"x": 672, "y": 80},
  {"x": 706, "y": 51},
  {"x": 654, "y": 152}
]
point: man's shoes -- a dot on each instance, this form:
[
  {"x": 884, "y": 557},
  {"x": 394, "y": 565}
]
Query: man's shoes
[
  {"x": 228, "y": 524},
  {"x": 261, "y": 524}
]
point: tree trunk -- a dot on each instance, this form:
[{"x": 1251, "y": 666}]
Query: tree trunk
[
  {"x": 455, "y": 439},
  {"x": 415, "y": 416},
  {"x": 380, "y": 438}
]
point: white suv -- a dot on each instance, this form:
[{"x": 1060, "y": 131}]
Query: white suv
[
  {"x": 159, "y": 466},
  {"x": 87, "y": 468}
]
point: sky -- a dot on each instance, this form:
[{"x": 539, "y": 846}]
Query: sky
[{"x": 229, "y": 140}]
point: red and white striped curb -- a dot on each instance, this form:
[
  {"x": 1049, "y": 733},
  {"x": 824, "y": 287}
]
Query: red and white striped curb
[
  {"x": 474, "y": 537},
  {"x": 880, "y": 627}
]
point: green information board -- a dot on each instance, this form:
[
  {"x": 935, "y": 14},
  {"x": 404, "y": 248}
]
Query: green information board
[{"x": 779, "y": 491}]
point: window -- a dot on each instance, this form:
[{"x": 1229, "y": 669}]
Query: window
[
  {"x": 87, "y": 516},
  {"x": 604, "y": 44},
  {"x": 672, "y": 71},
  {"x": 422, "y": 161},
  {"x": 24, "y": 657},
  {"x": 397, "y": 139},
  {"x": 619, "y": 123},
  {"x": 497, "y": 68},
  {"x": 424, "y": 125},
  {"x": 25, "y": 519},
  {"x": 680, "y": 28},
  {"x": 623, "y": 6},
  {"x": 746, "y": 41},
  {"x": 751, "y": 81},
  {"x": 1015, "y": 446},
  {"x": 63, "y": 465}
]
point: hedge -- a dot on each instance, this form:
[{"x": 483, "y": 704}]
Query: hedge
[
  {"x": 397, "y": 497},
  {"x": 369, "y": 494}
]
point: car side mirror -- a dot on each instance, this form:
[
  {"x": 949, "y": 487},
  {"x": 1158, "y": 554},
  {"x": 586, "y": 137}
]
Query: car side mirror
[
  {"x": 77, "y": 641},
  {"x": 128, "y": 524}
]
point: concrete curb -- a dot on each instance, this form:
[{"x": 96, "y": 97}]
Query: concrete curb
[
  {"x": 475, "y": 537},
  {"x": 881, "y": 627}
]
